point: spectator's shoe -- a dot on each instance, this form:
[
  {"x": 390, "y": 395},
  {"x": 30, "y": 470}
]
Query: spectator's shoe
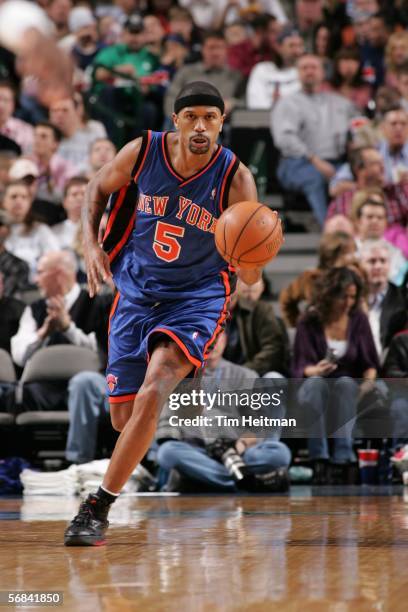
[
  {"x": 89, "y": 526},
  {"x": 275, "y": 481},
  {"x": 178, "y": 483}
]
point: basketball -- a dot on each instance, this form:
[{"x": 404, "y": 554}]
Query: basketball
[{"x": 248, "y": 234}]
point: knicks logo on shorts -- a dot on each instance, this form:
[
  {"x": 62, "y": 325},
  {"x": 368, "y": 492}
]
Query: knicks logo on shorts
[{"x": 112, "y": 381}]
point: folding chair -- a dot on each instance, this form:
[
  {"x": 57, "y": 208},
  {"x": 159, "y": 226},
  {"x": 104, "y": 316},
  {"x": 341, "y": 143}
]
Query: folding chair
[{"x": 43, "y": 433}]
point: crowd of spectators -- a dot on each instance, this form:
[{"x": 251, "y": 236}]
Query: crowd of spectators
[{"x": 333, "y": 78}]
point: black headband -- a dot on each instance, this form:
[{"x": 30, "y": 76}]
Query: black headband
[{"x": 199, "y": 100}]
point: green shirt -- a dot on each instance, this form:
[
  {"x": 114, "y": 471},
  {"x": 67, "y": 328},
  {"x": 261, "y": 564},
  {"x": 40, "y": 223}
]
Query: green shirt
[{"x": 115, "y": 55}]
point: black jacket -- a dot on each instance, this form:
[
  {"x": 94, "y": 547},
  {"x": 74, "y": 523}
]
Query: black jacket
[
  {"x": 396, "y": 363},
  {"x": 393, "y": 314}
]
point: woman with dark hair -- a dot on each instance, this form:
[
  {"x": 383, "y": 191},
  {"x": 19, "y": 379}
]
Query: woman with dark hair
[
  {"x": 28, "y": 239},
  {"x": 336, "y": 249},
  {"x": 347, "y": 78},
  {"x": 334, "y": 342}
]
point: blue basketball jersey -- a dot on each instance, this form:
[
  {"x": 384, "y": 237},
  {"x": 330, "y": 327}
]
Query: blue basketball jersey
[{"x": 166, "y": 250}]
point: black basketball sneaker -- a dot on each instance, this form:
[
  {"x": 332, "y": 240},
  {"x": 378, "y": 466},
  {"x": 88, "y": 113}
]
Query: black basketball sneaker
[{"x": 89, "y": 526}]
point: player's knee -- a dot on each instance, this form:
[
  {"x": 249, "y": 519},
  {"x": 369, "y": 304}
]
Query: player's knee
[{"x": 120, "y": 414}]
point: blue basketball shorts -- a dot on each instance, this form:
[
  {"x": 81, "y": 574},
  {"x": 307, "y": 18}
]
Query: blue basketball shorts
[{"x": 193, "y": 324}]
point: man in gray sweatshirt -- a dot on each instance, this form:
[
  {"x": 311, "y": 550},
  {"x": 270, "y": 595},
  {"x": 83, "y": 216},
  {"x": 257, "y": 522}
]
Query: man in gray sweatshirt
[{"x": 309, "y": 128}]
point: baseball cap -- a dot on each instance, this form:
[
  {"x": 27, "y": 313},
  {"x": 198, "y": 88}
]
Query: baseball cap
[
  {"x": 80, "y": 17},
  {"x": 134, "y": 23},
  {"x": 22, "y": 168}
]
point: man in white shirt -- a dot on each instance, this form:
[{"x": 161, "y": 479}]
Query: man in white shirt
[
  {"x": 64, "y": 315},
  {"x": 370, "y": 212},
  {"x": 387, "y": 306},
  {"x": 74, "y": 196},
  {"x": 269, "y": 82}
]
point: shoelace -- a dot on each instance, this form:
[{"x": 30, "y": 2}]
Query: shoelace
[{"x": 84, "y": 515}]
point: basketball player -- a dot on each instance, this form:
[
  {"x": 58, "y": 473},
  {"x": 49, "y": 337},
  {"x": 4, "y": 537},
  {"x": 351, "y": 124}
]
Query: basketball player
[{"x": 173, "y": 288}]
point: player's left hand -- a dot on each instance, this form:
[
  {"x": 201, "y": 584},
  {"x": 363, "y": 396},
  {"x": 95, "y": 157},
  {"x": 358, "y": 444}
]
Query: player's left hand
[{"x": 249, "y": 276}]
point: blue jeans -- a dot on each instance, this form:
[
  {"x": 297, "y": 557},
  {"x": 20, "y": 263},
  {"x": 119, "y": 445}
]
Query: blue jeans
[
  {"x": 195, "y": 463},
  {"x": 298, "y": 174},
  {"x": 87, "y": 403},
  {"x": 399, "y": 418},
  {"x": 333, "y": 401}
]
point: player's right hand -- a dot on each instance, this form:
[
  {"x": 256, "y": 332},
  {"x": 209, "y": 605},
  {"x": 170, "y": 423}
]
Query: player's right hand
[{"x": 97, "y": 267}]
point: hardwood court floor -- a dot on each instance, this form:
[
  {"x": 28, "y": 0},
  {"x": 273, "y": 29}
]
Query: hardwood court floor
[{"x": 335, "y": 553}]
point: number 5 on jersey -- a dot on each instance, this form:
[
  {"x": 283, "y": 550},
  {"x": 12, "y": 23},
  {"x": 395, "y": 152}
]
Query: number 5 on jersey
[{"x": 165, "y": 245}]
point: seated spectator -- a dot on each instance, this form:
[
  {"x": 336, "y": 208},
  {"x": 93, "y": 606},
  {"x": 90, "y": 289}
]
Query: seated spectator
[
  {"x": 308, "y": 14},
  {"x": 259, "y": 45},
  {"x": 268, "y": 82},
  {"x": 396, "y": 54},
  {"x": 54, "y": 171},
  {"x": 361, "y": 134},
  {"x": 175, "y": 51},
  {"x": 154, "y": 33},
  {"x": 85, "y": 38},
  {"x": 101, "y": 151},
  {"x": 373, "y": 49},
  {"x": 17, "y": 130},
  {"x": 347, "y": 78},
  {"x": 367, "y": 169},
  {"x": 192, "y": 455},
  {"x": 119, "y": 70},
  {"x": 58, "y": 11},
  {"x": 181, "y": 22},
  {"x": 309, "y": 128},
  {"x": 74, "y": 198},
  {"x": 396, "y": 368},
  {"x": 28, "y": 239},
  {"x": 45, "y": 211},
  {"x": 77, "y": 136},
  {"x": 335, "y": 250},
  {"x": 387, "y": 304},
  {"x": 216, "y": 13},
  {"x": 13, "y": 270},
  {"x": 333, "y": 342},
  {"x": 11, "y": 311},
  {"x": 369, "y": 212},
  {"x": 394, "y": 146},
  {"x": 212, "y": 69},
  {"x": 64, "y": 315},
  {"x": 256, "y": 339}
]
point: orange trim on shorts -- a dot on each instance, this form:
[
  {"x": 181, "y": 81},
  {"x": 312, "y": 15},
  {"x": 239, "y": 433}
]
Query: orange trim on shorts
[
  {"x": 223, "y": 315},
  {"x": 125, "y": 238},
  {"x": 118, "y": 399},
  {"x": 116, "y": 208},
  {"x": 224, "y": 181},
  {"x": 113, "y": 309},
  {"x": 149, "y": 140},
  {"x": 196, "y": 362}
]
